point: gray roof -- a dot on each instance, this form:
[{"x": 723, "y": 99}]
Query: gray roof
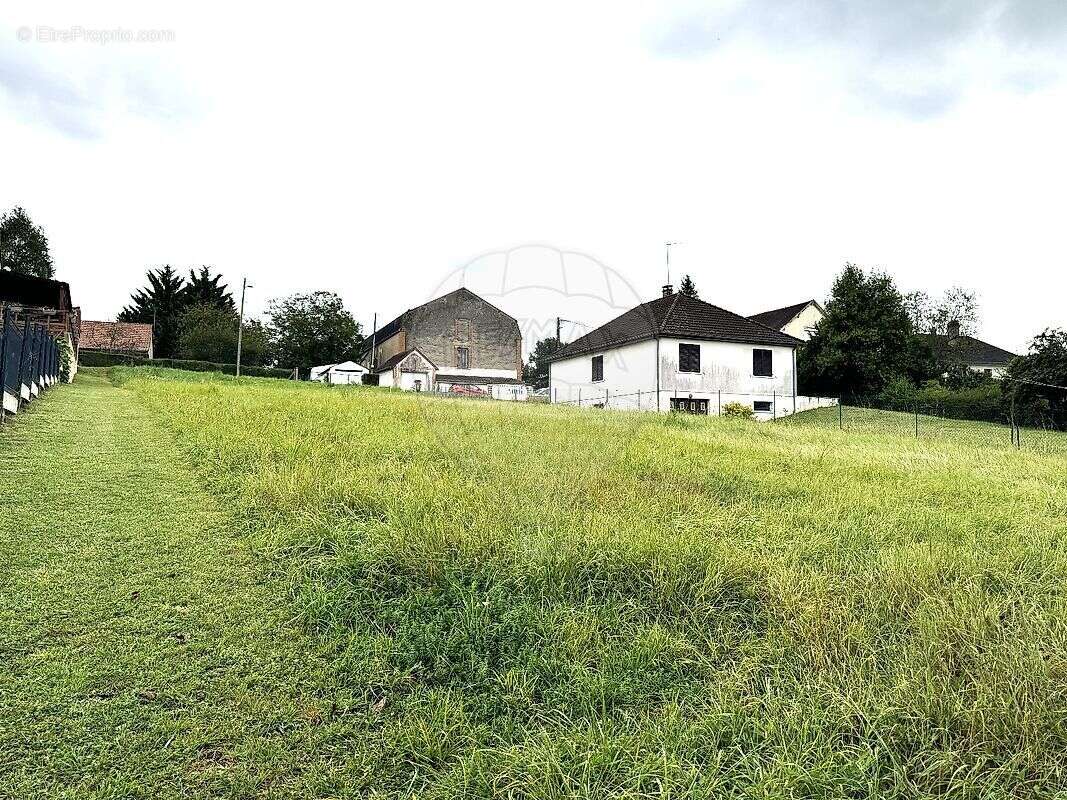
[
  {"x": 392, "y": 361},
  {"x": 680, "y": 317},
  {"x": 967, "y": 350},
  {"x": 778, "y": 318}
]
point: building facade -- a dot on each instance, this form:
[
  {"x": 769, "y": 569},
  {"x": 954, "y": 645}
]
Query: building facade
[
  {"x": 798, "y": 320},
  {"x": 458, "y": 343},
  {"x": 681, "y": 354}
]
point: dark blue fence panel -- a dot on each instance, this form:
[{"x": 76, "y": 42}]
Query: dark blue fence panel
[
  {"x": 12, "y": 354},
  {"x": 29, "y": 357}
]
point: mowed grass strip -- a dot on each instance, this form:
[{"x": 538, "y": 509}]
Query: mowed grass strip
[
  {"x": 143, "y": 652},
  {"x": 528, "y": 601}
]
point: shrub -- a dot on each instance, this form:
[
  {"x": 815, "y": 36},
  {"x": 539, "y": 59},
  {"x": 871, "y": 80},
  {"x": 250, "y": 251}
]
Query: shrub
[
  {"x": 92, "y": 358},
  {"x": 66, "y": 358},
  {"x": 737, "y": 410},
  {"x": 981, "y": 402}
]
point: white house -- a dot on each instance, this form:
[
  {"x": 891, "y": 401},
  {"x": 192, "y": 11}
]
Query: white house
[
  {"x": 955, "y": 347},
  {"x": 344, "y": 373},
  {"x": 678, "y": 353},
  {"x": 797, "y": 320}
]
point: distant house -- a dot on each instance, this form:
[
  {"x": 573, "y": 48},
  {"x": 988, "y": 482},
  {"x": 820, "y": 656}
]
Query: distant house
[
  {"x": 797, "y": 320},
  {"x": 956, "y": 348},
  {"x": 678, "y": 353},
  {"x": 124, "y": 338},
  {"x": 458, "y": 343},
  {"x": 346, "y": 372}
]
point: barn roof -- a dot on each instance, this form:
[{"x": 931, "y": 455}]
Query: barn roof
[
  {"x": 678, "y": 316},
  {"x": 392, "y": 361},
  {"x": 31, "y": 291}
]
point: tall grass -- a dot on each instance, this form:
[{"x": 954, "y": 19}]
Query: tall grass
[{"x": 543, "y": 602}]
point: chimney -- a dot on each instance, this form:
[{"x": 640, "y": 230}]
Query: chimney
[
  {"x": 668, "y": 290},
  {"x": 954, "y": 329}
]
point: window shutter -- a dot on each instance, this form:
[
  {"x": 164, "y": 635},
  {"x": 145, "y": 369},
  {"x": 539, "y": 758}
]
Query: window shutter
[
  {"x": 689, "y": 358},
  {"x": 762, "y": 363}
]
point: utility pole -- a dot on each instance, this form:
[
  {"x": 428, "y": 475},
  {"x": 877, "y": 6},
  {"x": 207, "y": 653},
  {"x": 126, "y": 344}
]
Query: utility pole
[
  {"x": 374, "y": 343},
  {"x": 241, "y": 321}
]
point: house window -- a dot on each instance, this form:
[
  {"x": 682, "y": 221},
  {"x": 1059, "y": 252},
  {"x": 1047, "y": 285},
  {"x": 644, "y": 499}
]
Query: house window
[
  {"x": 689, "y": 358},
  {"x": 761, "y": 405},
  {"x": 463, "y": 330},
  {"x": 987, "y": 372},
  {"x": 689, "y": 405},
  {"x": 598, "y": 368},
  {"x": 762, "y": 365},
  {"x": 463, "y": 358}
]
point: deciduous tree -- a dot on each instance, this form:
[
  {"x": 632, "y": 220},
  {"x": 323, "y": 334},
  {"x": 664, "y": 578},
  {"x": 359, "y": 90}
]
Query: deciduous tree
[
  {"x": 1045, "y": 363},
  {"x": 309, "y": 329},
  {"x": 23, "y": 245},
  {"x": 535, "y": 372},
  {"x": 209, "y": 333},
  {"x": 865, "y": 340}
]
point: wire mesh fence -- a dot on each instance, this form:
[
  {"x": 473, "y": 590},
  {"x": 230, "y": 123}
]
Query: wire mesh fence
[
  {"x": 930, "y": 422},
  {"x": 29, "y": 361},
  {"x": 713, "y": 403}
]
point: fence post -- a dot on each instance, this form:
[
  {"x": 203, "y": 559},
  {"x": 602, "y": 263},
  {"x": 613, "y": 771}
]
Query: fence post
[
  {"x": 840, "y": 415},
  {"x": 3, "y": 357},
  {"x": 39, "y": 359},
  {"x": 579, "y": 397},
  {"x": 720, "y": 402},
  {"x": 607, "y": 393},
  {"x": 22, "y": 361},
  {"x": 638, "y": 399},
  {"x": 774, "y": 405}
]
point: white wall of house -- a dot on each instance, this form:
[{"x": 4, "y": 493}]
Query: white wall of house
[
  {"x": 628, "y": 371},
  {"x": 725, "y": 377},
  {"x": 412, "y": 381},
  {"x": 803, "y": 324},
  {"x": 993, "y": 371}
]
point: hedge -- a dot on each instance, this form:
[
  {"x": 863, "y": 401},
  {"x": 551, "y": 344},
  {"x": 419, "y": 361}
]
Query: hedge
[{"x": 95, "y": 358}]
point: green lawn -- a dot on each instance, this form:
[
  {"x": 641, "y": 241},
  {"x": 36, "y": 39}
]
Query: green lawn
[
  {"x": 256, "y": 588},
  {"x": 962, "y": 432}
]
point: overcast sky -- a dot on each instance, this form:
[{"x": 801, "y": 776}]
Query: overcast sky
[{"x": 375, "y": 149}]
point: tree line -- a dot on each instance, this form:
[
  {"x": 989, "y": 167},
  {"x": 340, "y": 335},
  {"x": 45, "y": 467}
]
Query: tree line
[
  {"x": 195, "y": 317},
  {"x": 877, "y": 346}
]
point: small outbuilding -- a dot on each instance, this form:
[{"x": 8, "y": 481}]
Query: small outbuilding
[{"x": 345, "y": 373}]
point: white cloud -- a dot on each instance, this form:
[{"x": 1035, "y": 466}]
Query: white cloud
[{"x": 373, "y": 149}]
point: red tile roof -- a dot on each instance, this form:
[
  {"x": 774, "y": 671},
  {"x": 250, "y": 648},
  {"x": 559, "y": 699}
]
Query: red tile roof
[{"x": 131, "y": 337}]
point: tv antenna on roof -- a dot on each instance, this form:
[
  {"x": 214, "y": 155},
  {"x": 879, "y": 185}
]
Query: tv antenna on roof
[{"x": 669, "y": 245}]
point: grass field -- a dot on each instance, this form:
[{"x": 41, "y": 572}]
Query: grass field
[
  {"x": 962, "y": 432},
  {"x": 386, "y": 595}
]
